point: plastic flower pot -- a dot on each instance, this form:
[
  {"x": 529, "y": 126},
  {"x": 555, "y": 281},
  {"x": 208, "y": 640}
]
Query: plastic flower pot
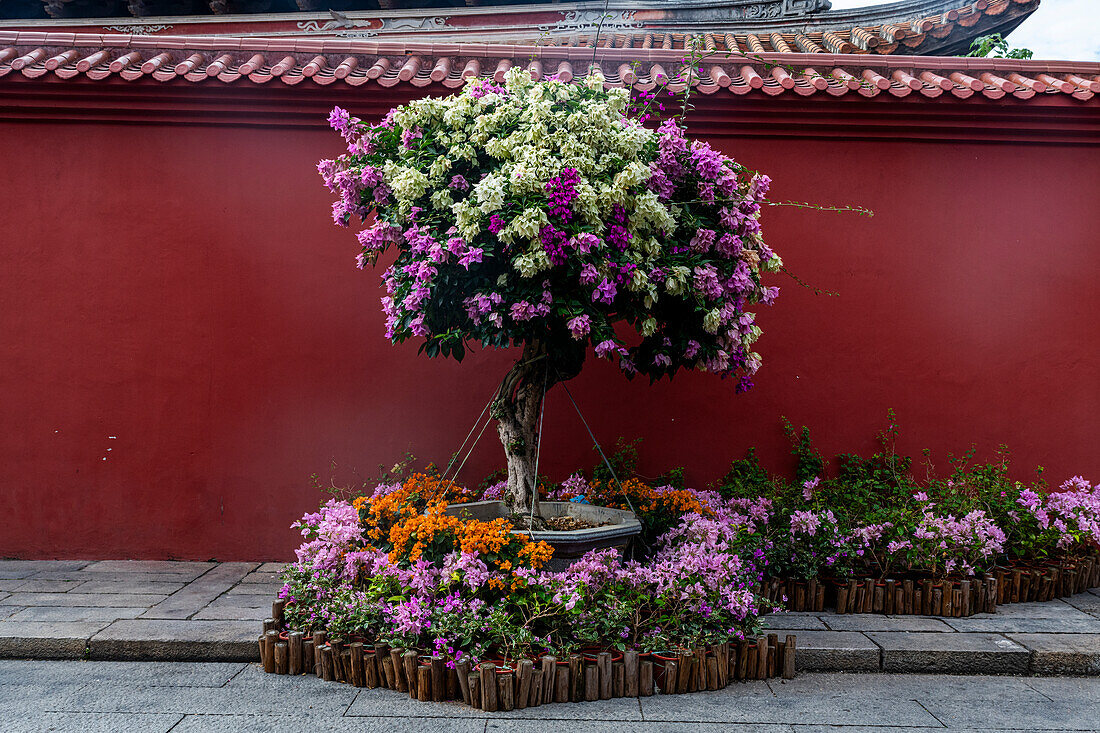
[
  {"x": 659, "y": 658},
  {"x": 593, "y": 655},
  {"x": 502, "y": 665},
  {"x": 359, "y": 637}
]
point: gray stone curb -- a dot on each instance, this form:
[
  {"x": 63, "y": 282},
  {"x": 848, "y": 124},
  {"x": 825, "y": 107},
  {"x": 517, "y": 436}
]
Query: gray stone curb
[
  {"x": 176, "y": 641},
  {"x": 173, "y": 650},
  {"x": 960, "y": 653},
  {"x": 818, "y": 651}
]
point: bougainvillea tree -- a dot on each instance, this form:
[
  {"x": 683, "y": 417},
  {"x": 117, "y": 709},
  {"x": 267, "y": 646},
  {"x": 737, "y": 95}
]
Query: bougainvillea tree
[{"x": 545, "y": 216}]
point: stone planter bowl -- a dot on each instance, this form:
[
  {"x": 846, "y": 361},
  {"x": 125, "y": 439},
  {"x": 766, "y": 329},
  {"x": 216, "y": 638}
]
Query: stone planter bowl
[{"x": 568, "y": 546}]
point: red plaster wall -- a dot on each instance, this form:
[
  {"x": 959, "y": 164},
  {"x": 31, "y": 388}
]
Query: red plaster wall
[{"x": 184, "y": 338}]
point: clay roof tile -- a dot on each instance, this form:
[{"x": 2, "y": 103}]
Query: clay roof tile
[{"x": 421, "y": 65}]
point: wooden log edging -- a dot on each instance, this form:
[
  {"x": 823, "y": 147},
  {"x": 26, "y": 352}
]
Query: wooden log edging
[
  {"x": 533, "y": 682},
  {"x": 951, "y": 599}
]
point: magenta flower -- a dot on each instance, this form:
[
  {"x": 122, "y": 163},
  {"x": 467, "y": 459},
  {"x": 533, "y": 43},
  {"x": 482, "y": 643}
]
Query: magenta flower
[
  {"x": 579, "y": 326},
  {"x": 605, "y": 349},
  {"x": 471, "y": 256},
  {"x": 604, "y": 292}
]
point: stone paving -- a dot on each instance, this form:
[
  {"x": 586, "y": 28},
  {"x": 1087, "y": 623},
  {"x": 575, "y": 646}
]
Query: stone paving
[
  {"x": 188, "y": 697},
  {"x": 123, "y": 609},
  {"x": 207, "y": 611}
]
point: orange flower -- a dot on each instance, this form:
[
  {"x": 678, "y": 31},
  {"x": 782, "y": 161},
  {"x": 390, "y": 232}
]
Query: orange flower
[
  {"x": 411, "y": 520},
  {"x": 421, "y": 530},
  {"x": 536, "y": 553},
  {"x": 418, "y": 494},
  {"x": 646, "y": 499}
]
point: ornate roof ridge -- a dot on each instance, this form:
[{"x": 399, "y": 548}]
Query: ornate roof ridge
[{"x": 908, "y": 27}]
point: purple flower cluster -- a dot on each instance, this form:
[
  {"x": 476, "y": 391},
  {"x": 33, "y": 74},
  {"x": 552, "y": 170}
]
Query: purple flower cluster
[
  {"x": 556, "y": 244},
  {"x": 1072, "y": 512},
  {"x": 616, "y": 233},
  {"x": 481, "y": 87},
  {"x": 524, "y": 311},
  {"x": 956, "y": 544},
  {"x": 561, "y": 191}
]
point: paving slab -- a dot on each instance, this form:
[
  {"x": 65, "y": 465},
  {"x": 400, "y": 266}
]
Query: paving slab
[
  {"x": 81, "y": 599},
  {"x": 15, "y": 574},
  {"x": 53, "y": 614},
  {"x": 905, "y": 729},
  {"x": 36, "y": 585},
  {"x": 6, "y": 586},
  {"x": 243, "y": 601},
  {"x": 272, "y": 567},
  {"x": 180, "y": 640},
  {"x": 255, "y": 589},
  {"x": 200, "y": 592},
  {"x": 952, "y": 653},
  {"x": 67, "y": 694},
  {"x": 95, "y": 723},
  {"x": 1060, "y": 688},
  {"x": 249, "y": 724},
  {"x": 9, "y": 611},
  {"x": 33, "y": 566},
  {"x": 330, "y": 700},
  {"x": 151, "y": 674},
  {"x": 905, "y": 686},
  {"x": 619, "y": 710},
  {"x": 599, "y": 726},
  {"x": 726, "y": 706},
  {"x": 1086, "y": 625},
  {"x": 253, "y": 675},
  {"x": 269, "y": 578},
  {"x": 111, "y": 577},
  {"x": 1006, "y": 712},
  {"x": 784, "y": 622},
  {"x": 1062, "y": 653},
  {"x": 122, "y": 587},
  {"x": 824, "y": 651},
  {"x": 46, "y": 640},
  {"x": 191, "y": 569},
  {"x": 1086, "y": 602},
  {"x": 388, "y": 703},
  {"x": 1056, "y": 608},
  {"x": 27, "y": 701},
  {"x": 233, "y": 613},
  {"x": 873, "y": 622}
]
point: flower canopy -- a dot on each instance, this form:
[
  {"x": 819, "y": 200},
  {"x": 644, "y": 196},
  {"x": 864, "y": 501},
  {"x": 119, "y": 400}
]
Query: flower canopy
[{"x": 543, "y": 212}]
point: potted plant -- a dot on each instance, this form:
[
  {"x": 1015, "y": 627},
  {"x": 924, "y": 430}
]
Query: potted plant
[{"x": 541, "y": 216}]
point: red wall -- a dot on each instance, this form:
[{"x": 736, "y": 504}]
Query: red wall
[{"x": 184, "y": 338}]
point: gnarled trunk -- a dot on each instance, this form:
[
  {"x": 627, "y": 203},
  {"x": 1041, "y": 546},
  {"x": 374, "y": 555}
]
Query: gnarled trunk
[{"x": 516, "y": 409}]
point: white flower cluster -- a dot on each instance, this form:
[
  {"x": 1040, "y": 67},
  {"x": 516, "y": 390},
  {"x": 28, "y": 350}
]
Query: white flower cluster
[{"x": 530, "y": 140}]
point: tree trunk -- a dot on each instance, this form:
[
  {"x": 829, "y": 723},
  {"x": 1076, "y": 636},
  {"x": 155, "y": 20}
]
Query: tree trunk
[
  {"x": 517, "y": 407},
  {"x": 516, "y": 410}
]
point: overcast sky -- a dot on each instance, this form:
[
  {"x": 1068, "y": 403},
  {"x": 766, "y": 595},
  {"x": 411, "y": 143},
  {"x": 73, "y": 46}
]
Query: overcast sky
[{"x": 1059, "y": 29}]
